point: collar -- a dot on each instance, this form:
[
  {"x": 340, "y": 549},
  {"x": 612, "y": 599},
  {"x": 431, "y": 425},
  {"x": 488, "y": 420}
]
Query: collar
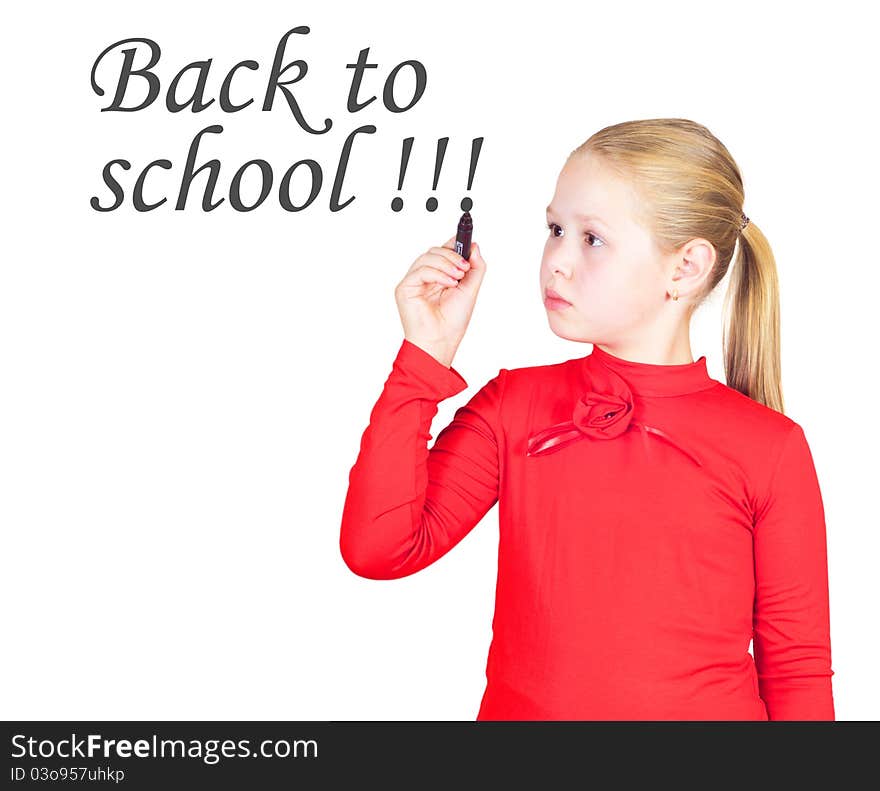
[{"x": 653, "y": 379}]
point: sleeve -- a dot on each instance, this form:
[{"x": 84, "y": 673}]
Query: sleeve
[
  {"x": 792, "y": 635},
  {"x": 406, "y": 505}
]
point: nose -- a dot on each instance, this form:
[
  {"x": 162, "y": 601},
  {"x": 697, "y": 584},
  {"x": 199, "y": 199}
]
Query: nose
[{"x": 556, "y": 262}]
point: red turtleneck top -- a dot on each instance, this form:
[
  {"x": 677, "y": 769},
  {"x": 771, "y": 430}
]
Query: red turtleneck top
[{"x": 653, "y": 521}]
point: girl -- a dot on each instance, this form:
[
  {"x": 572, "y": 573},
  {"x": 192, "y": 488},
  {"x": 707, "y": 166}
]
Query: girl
[{"x": 653, "y": 521}]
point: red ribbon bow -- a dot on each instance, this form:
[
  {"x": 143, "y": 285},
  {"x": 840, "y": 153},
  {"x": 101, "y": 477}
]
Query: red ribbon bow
[{"x": 600, "y": 416}]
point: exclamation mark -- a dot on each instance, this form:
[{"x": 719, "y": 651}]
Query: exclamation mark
[
  {"x": 431, "y": 203},
  {"x": 397, "y": 203},
  {"x": 466, "y": 203}
]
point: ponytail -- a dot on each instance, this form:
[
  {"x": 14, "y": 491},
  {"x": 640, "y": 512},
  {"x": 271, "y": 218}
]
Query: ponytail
[{"x": 751, "y": 338}]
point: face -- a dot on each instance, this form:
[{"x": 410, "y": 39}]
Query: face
[{"x": 599, "y": 257}]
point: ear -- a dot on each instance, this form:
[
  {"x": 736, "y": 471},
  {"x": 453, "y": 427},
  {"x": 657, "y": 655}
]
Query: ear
[{"x": 691, "y": 266}]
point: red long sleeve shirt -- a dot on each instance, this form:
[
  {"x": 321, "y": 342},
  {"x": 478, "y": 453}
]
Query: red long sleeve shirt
[{"x": 653, "y": 521}]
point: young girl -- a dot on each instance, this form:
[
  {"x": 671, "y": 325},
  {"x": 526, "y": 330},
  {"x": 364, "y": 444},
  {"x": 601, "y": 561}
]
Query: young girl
[{"x": 653, "y": 521}]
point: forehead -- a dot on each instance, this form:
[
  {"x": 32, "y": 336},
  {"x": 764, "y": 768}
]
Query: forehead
[{"x": 587, "y": 189}]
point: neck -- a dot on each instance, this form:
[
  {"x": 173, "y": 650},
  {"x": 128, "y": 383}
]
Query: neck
[
  {"x": 652, "y": 378},
  {"x": 679, "y": 353}
]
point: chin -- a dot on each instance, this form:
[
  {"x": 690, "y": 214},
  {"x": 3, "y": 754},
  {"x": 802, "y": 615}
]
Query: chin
[{"x": 566, "y": 336}]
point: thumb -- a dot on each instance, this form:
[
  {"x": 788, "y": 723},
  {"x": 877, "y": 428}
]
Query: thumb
[
  {"x": 475, "y": 257},
  {"x": 474, "y": 277}
]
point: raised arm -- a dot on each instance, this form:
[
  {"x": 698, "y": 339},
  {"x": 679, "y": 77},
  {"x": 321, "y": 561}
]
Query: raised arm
[
  {"x": 792, "y": 638},
  {"x": 407, "y": 505}
]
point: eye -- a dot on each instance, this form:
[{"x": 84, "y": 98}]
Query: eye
[{"x": 587, "y": 234}]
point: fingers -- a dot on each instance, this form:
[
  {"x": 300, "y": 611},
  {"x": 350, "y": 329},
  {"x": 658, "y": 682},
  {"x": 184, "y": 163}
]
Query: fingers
[
  {"x": 430, "y": 274},
  {"x": 442, "y": 259},
  {"x": 450, "y": 255},
  {"x": 447, "y": 262},
  {"x": 425, "y": 273}
]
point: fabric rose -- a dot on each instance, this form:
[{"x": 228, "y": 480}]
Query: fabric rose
[
  {"x": 603, "y": 415},
  {"x": 597, "y": 415}
]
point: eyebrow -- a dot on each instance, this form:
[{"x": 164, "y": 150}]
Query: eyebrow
[{"x": 587, "y": 217}]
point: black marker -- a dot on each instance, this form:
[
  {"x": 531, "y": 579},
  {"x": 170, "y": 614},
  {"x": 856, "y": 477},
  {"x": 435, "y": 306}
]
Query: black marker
[{"x": 463, "y": 237}]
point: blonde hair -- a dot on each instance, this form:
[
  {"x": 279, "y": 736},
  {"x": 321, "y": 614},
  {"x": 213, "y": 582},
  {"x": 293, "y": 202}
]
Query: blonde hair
[{"x": 690, "y": 187}]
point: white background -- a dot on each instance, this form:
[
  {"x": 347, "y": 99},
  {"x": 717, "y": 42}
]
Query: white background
[{"x": 182, "y": 393}]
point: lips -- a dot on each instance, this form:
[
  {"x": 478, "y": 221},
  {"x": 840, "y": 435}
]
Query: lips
[{"x": 554, "y": 295}]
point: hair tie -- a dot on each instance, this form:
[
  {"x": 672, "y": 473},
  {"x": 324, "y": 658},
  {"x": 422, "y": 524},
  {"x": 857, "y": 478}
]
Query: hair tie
[{"x": 744, "y": 223}]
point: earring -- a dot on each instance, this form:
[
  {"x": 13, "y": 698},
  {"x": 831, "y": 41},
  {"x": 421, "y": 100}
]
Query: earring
[{"x": 675, "y": 294}]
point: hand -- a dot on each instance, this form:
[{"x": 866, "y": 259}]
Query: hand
[{"x": 436, "y": 298}]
